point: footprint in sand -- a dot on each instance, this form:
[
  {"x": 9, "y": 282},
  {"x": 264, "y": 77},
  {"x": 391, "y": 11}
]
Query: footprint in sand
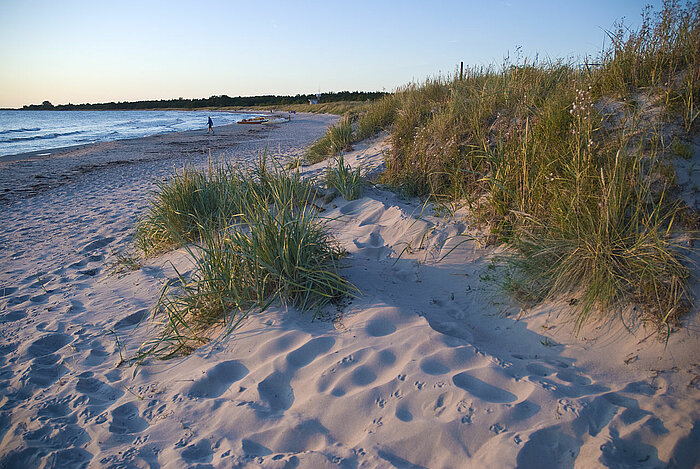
[
  {"x": 277, "y": 391},
  {"x": 619, "y": 451},
  {"x": 96, "y": 392},
  {"x": 48, "y": 344},
  {"x": 571, "y": 391},
  {"x": 78, "y": 265},
  {"x": 12, "y": 316},
  {"x": 482, "y": 390},
  {"x": 72, "y": 457},
  {"x": 199, "y": 452},
  {"x": 377, "y": 367},
  {"x": 572, "y": 377},
  {"x": 114, "y": 375},
  {"x": 57, "y": 409},
  {"x": 97, "y": 354},
  {"x": 539, "y": 370},
  {"x": 253, "y": 450},
  {"x": 89, "y": 272},
  {"x": 18, "y": 300},
  {"x": 350, "y": 207},
  {"x": 126, "y": 420},
  {"x": 372, "y": 246},
  {"x": 97, "y": 243},
  {"x": 363, "y": 375},
  {"x": 549, "y": 448},
  {"x": 7, "y": 291},
  {"x": 433, "y": 366},
  {"x": 380, "y": 327},
  {"x": 523, "y": 411},
  {"x": 218, "y": 379},
  {"x": 42, "y": 298},
  {"x": 434, "y": 409},
  {"x": 309, "y": 351},
  {"x": 640, "y": 387},
  {"x": 46, "y": 370},
  {"x": 131, "y": 320},
  {"x": 281, "y": 344},
  {"x": 403, "y": 414}
]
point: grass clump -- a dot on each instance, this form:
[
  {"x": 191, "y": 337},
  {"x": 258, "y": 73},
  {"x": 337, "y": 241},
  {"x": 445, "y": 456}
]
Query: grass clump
[
  {"x": 273, "y": 250},
  {"x": 189, "y": 204},
  {"x": 344, "y": 179},
  {"x": 611, "y": 249},
  {"x": 378, "y": 116},
  {"x": 562, "y": 162},
  {"x": 338, "y": 138},
  {"x": 663, "y": 54},
  {"x": 353, "y": 127},
  {"x": 123, "y": 263}
]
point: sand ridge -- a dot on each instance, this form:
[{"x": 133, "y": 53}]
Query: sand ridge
[{"x": 430, "y": 366}]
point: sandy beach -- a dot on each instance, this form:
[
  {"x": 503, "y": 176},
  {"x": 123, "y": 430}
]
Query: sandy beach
[{"x": 430, "y": 366}]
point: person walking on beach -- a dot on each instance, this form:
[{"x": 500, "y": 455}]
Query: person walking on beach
[{"x": 211, "y": 126}]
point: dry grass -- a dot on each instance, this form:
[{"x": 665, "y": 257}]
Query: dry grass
[{"x": 583, "y": 197}]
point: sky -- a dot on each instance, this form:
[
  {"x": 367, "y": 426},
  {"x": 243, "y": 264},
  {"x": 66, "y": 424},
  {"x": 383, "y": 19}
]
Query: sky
[{"x": 101, "y": 51}]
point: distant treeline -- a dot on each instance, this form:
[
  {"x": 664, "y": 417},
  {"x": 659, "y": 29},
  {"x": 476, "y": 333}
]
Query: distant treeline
[{"x": 214, "y": 101}]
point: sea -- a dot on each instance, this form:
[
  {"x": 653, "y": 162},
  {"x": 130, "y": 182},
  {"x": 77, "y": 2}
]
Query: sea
[{"x": 31, "y": 131}]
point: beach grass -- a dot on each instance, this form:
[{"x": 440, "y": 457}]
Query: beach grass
[
  {"x": 377, "y": 116},
  {"x": 354, "y": 126},
  {"x": 337, "y": 139},
  {"x": 190, "y": 203},
  {"x": 662, "y": 54},
  {"x": 273, "y": 249},
  {"x": 344, "y": 179},
  {"x": 566, "y": 162},
  {"x": 339, "y": 108}
]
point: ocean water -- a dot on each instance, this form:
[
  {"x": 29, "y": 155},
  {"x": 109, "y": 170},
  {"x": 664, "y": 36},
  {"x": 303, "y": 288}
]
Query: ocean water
[{"x": 25, "y": 131}]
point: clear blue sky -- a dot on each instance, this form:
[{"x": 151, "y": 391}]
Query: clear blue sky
[{"x": 100, "y": 51}]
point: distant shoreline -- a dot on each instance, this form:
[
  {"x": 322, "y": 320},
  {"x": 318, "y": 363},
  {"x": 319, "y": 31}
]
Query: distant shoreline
[
  {"x": 28, "y": 174},
  {"x": 32, "y": 134},
  {"x": 211, "y": 102}
]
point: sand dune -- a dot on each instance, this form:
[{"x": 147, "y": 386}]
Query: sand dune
[{"x": 431, "y": 366}]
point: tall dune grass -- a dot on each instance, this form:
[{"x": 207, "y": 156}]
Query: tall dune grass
[
  {"x": 273, "y": 249},
  {"x": 354, "y": 126},
  {"x": 337, "y": 139},
  {"x": 189, "y": 204},
  {"x": 344, "y": 179},
  {"x": 580, "y": 190},
  {"x": 377, "y": 116}
]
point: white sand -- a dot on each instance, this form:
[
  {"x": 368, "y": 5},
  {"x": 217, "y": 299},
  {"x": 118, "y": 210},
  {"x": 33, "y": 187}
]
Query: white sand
[{"x": 430, "y": 367}]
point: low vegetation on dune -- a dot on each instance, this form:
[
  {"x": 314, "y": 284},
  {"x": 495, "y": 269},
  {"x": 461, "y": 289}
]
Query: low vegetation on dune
[
  {"x": 567, "y": 162},
  {"x": 359, "y": 124},
  {"x": 338, "y": 108},
  {"x": 338, "y": 138},
  {"x": 254, "y": 239},
  {"x": 187, "y": 206},
  {"x": 347, "y": 181}
]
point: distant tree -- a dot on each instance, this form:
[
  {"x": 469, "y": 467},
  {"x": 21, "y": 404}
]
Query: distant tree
[{"x": 215, "y": 101}]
